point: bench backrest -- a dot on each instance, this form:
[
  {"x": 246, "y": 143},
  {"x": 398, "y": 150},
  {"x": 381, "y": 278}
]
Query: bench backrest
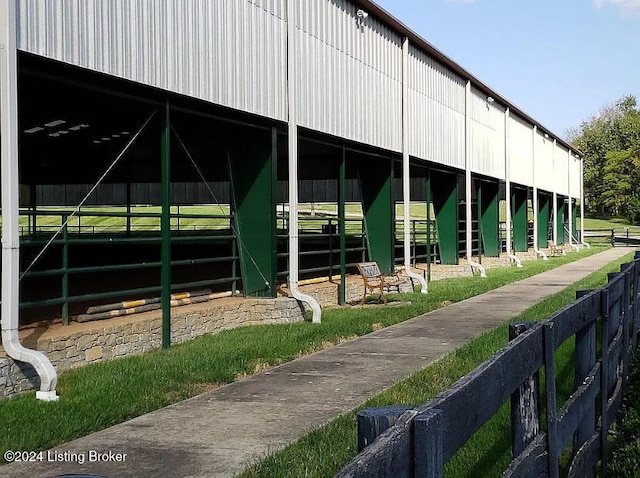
[{"x": 370, "y": 270}]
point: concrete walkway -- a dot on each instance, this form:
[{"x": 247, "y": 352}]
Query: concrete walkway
[{"x": 217, "y": 433}]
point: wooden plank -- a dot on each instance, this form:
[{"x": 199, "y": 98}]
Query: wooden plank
[
  {"x": 427, "y": 444},
  {"x": 533, "y": 462},
  {"x": 372, "y": 422},
  {"x": 613, "y": 404},
  {"x": 586, "y": 458},
  {"x": 577, "y": 410},
  {"x": 579, "y": 314},
  {"x": 387, "y": 457},
  {"x": 505, "y": 371}
]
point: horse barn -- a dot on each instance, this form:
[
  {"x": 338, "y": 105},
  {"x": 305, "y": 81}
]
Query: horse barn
[{"x": 170, "y": 152}]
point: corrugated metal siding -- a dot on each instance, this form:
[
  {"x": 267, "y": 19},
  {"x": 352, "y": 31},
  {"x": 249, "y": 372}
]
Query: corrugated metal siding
[
  {"x": 486, "y": 136},
  {"x": 520, "y": 151},
  {"x": 560, "y": 171},
  {"x": 230, "y": 52},
  {"x": 574, "y": 166},
  {"x": 544, "y": 163},
  {"x": 349, "y": 78},
  {"x": 436, "y": 111}
]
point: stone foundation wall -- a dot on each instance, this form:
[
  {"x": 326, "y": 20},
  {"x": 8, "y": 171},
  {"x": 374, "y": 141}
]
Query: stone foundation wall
[{"x": 80, "y": 344}]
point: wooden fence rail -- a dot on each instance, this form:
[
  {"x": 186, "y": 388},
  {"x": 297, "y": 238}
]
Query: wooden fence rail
[{"x": 422, "y": 440}]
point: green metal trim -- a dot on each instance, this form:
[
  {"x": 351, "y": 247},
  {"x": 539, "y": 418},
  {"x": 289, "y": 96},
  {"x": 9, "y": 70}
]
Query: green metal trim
[
  {"x": 342, "y": 228},
  {"x": 489, "y": 224},
  {"x": 444, "y": 187},
  {"x": 65, "y": 274},
  {"x": 166, "y": 230},
  {"x": 252, "y": 167},
  {"x": 378, "y": 208},
  {"x": 561, "y": 213},
  {"x": 543, "y": 220},
  {"x": 519, "y": 219},
  {"x": 428, "y": 195}
]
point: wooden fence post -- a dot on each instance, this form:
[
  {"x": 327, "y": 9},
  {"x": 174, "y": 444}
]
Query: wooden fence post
[
  {"x": 428, "y": 454},
  {"x": 525, "y": 403},
  {"x": 552, "y": 411},
  {"x": 374, "y": 421},
  {"x": 585, "y": 361}
]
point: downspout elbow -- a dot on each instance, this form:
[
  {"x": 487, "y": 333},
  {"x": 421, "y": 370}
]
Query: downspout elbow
[
  {"x": 515, "y": 259},
  {"x": 424, "y": 289},
  {"x": 541, "y": 254},
  {"x": 586, "y": 244},
  {"x": 476, "y": 265},
  {"x": 38, "y": 360},
  {"x": 313, "y": 303}
]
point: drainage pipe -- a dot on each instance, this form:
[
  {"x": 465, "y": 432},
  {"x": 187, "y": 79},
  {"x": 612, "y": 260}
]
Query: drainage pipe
[
  {"x": 582, "y": 241},
  {"x": 293, "y": 168},
  {"x": 534, "y": 202},
  {"x": 467, "y": 179},
  {"x": 10, "y": 204},
  {"x": 507, "y": 176},
  {"x": 406, "y": 177}
]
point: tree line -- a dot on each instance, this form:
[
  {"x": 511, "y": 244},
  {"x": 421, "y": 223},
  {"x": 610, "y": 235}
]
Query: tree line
[{"x": 610, "y": 141}]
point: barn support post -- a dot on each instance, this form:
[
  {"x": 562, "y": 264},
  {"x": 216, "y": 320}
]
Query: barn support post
[
  {"x": 378, "y": 209},
  {"x": 165, "y": 221},
  {"x": 252, "y": 168},
  {"x": 342, "y": 226},
  {"x": 519, "y": 216},
  {"x": 543, "y": 220},
  {"x": 444, "y": 187},
  {"x": 488, "y": 218},
  {"x": 560, "y": 215}
]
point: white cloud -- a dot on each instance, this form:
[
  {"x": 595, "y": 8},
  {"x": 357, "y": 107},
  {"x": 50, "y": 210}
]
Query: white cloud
[{"x": 625, "y": 5}]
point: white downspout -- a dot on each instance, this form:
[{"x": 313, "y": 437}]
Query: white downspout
[
  {"x": 406, "y": 193},
  {"x": 293, "y": 168},
  {"x": 467, "y": 179},
  {"x": 507, "y": 178},
  {"x": 571, "y": 244},
  {"x": 555, "y": 199},
  {"x": 582, "y": 241},
  {"x": 534, "y": 201},
  {"x": 10, "y": 205}
]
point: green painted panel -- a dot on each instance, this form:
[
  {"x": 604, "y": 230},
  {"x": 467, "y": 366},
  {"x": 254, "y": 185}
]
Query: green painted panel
[
  {"x": 489, "y": 218},
  {"x": 252, "y": 165},
  {"x": 560, "y": 219},
  {"x": 543, "y": 220},
  {"x": 378, "y": 208},
  {"x": 519, "y": 219},
  {"x": 444, "y": 189}
]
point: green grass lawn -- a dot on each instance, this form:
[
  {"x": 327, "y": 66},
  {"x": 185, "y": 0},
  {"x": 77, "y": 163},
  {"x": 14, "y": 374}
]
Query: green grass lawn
[
  {"x": 324, "y": 451},
  {"x": 97, "y": 396}
]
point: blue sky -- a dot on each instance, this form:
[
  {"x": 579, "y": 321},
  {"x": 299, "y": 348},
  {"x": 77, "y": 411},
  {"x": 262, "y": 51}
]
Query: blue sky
[{"x": 560, "y": 61}]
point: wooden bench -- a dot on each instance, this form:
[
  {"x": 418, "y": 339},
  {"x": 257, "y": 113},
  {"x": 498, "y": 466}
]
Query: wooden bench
[
  {"x": 555, "y": 249},
  {"x": 374, "y": 280}
]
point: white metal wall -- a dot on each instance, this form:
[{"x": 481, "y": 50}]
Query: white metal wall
[
  {"x": 230, "y": 52},
  {"x": 349, "y": 77},
  {"x": 574, "y": 171},
  {"x": 436, "y": 111},
  {"x": 544, "y": 162},
  {"x": 486, "y": 122},
  {"x": 561, "y": 171},
  {"x": 520, "y": 151}
]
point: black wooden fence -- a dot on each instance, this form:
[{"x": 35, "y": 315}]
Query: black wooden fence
[{"x": 422, "y": 440}]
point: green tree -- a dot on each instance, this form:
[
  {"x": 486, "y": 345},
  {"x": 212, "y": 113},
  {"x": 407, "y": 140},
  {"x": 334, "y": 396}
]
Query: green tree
[{"x": 610, "y": 142}]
